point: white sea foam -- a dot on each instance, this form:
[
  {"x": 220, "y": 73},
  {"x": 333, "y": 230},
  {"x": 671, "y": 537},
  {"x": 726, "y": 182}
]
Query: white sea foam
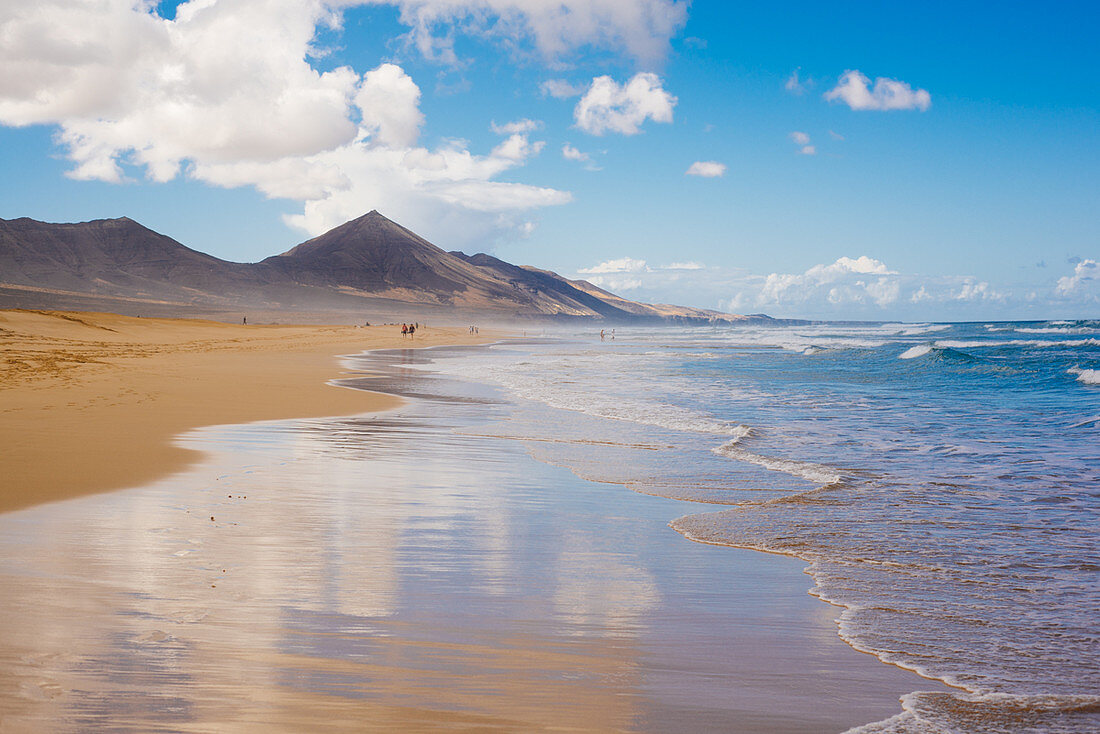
[
  {"x": 1020, "y": 343},
  {"x": 1054, "y": 330},
  {"x": 817, "y": 473},
  {"x": 1088, "y": 377},
  {"x": 918, "y": 329},
  {"x": 928, "y": 712},
  {"x": 918, "y": 351}
]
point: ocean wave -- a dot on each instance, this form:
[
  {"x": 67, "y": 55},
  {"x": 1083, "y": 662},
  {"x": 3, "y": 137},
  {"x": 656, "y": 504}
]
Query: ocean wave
[
  {"x": 1055, "y": 330},
  {"x": 936, "y": 352},
  {"x": 556, "y": 393},
  {"x": 918, "y": 329},
  {"x": 1020, "y": 343},
  {"x": 817, "y": 473},
  {"x": 1087, "y": 377},
  {"x": 927, "y": 711},
  {"x": 918, "y": 351}
]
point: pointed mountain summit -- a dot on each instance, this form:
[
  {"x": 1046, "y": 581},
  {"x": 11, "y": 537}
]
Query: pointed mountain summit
[
  {"x": 368, "y": 265},
  {"x": 375, "y": 254}
]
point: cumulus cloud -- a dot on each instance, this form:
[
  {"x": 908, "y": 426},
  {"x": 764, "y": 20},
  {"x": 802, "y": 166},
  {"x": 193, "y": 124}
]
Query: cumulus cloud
[
  {"x": 225, "y": 93},
  {"x": 706, "y": 169},
  {"x": 616, "y": 283},
  {"x": 569, "y": 153},
  {"x": 621, "y": 265},
  {"x": 389, "y": 103},
  {"x": 849, "y": 287},
  {"x": 888, "y": 94},
  {"x": 843, "y": 281},
  {"x": 864, "y": 287},
  {"x": 1085, "y": 280},
  {"x": 610, "y": 107}
]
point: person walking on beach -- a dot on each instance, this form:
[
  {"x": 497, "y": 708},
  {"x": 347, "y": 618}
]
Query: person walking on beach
[
  {"x": 412, "y": 330},
  {"x": 404, "y": 330},
  {"x": 601, "y": 334}
]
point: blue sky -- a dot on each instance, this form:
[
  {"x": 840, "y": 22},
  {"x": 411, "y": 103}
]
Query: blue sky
[{"x": 864, "y": 161}]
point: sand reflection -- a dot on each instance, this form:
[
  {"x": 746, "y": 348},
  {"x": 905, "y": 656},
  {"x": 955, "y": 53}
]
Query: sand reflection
[{"x": 298, "y": 571}]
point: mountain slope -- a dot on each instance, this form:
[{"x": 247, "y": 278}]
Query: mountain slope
[
  {"x": 109, "y": 256},
  {"x": 367, "y": 265}
]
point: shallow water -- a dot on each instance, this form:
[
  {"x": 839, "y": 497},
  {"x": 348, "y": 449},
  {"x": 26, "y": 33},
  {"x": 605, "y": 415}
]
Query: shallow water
[
  {"x": 941, "y": 479},
  {"x": 410, "y": 570}
]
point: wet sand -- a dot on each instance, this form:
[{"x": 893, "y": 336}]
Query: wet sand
[
  {"x": 90, "y": 402},
  {"x": 398, "y": 570}
]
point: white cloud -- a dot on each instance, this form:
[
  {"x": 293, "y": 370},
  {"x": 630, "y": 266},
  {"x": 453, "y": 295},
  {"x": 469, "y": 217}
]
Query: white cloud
[
  {"x": 1085, "y": 279},
  {"x": 835, "y": 135},
  {"x": 850, "y": 288},
  {"x": 803, "y": 141},
  {"x": 610, "y": 107},
  {"x": 517, "y": 148},
  {"x": 844, "y": 281},
  {"x": 888, "y": 94},
  {"x": 641, "y": 28},
  {"x": 621, "y": 265},
  {"x": 226, "y": 93},
  {"x": 389, "y": 102},
  {"x": 616, "y": 284},
  {"x": 706, "y": 169},
  {"x": 570, "y": 153},
  {"x": 561, "y": 89},
  {"x": 518, "y": 126},
  {"x": 794, "y": 85}
]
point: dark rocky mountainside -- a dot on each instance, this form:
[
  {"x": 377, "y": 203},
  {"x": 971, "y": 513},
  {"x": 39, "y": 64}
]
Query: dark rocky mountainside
[{"x": 368, "y": 265}]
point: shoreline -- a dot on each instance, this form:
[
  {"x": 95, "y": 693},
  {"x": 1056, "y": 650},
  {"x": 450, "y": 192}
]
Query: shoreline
[
  {"x": 394, "y": 571},
  {"x": 92, "y": 402}
]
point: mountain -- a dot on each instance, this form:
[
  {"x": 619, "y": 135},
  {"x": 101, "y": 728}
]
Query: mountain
[
  {"x": 369, "y": 265},
  {"x": 109, "y": 257}
]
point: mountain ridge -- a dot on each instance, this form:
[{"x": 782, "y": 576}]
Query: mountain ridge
[{"x": 370, "y": 264}]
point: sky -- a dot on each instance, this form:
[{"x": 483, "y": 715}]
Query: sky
[{"x": 856, "y": 160}]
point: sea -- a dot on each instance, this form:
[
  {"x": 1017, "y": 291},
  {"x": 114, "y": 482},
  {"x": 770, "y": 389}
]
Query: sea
[{"x": 940, "y": 480}]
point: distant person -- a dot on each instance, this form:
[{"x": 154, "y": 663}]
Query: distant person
[
  {"x": 245, "y": 321},
  {"x": 412, "y": 329},
  {"x": 404, "y": 330},
  {"x": 601, "y": 335}
]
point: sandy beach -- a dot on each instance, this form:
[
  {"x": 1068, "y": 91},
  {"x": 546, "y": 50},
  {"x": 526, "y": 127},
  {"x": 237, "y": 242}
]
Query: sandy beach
[
  {"x": 407, "y": 569},
  {"x": 90, "y": 402}
]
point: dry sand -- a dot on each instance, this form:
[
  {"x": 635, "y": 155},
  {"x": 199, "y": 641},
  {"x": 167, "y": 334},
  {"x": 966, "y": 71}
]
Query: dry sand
[{"x": 90, "y": 402}]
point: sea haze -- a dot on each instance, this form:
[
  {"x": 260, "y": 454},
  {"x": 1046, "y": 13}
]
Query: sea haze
[{"x": 940, "y": 479}]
